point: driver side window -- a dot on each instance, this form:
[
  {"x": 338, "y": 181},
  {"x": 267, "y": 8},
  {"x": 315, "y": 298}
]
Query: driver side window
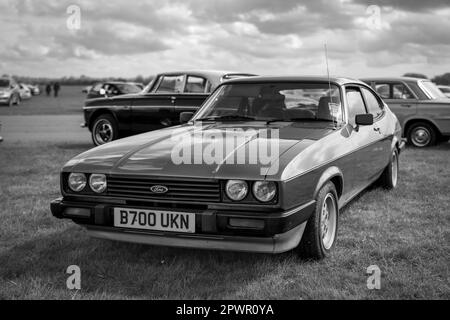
[{"x": 355, "y": 103}]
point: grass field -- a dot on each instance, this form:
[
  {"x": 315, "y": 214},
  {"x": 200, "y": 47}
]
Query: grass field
[
  {"x": 405, "y": 232},
  {"x": 69, "y": 101}
]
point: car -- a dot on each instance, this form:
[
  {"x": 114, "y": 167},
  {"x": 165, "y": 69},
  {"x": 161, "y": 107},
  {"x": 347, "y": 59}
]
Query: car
[
  {"x": 25, "y": 92},
  {"x": 157, "y": 106},
  {"x": 422, "y": 109},
  {"x": 445, "y": 90},
  {"x": 111, "y": 89},
  {"x": 208, "y": 184},
  {"x": 86, "y": 89},
  {"x": 9, "y": 91},
  {"x": 35, "y": 89}
]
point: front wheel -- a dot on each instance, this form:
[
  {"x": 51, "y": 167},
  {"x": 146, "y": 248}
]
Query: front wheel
[
  {"x": 104, "y": 130},
  {"x": 321, "y": 229},
  {"x": 389, "y": 178}
]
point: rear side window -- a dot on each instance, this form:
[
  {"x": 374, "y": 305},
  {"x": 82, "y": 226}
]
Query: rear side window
[
  {"x": 372, "y": 103},
  {"x": 400, "y": 91},
  {"x": 171, "y": 84},
  {"x": 196, "y": 85},
  {"x": 355, "y": 104}
]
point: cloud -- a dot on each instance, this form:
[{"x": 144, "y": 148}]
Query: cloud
[{"x": 260, "y": 36}]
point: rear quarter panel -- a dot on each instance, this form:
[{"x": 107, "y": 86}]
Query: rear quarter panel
[{"x": 437, "y": 113}]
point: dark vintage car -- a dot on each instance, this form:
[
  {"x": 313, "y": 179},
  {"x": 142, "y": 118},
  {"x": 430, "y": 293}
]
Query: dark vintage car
[
  {"x": 111, "y": 89},
  {"x": 159, "y": 105},
  {"x": 329, "y": 139},
  {"x": 422, "y": 109}
]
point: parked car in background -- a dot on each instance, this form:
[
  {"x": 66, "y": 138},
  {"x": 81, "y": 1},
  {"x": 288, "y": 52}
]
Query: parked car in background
[
  {"x": 422, "y": 109},
  {"x": 86, "y": 89},
  {"x": 9, "y": 91},
  {"x": 24, "y": 91},
  {"x": 329, "y": 150},
  {"x": 445, "y": 90},
  {"x": 35, "y": 89},
  {"x": 159, "y": 105},
  {"x": 111, "y": 89}
]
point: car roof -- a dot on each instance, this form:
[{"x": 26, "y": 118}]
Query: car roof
[
  {"x": 214, "y": 76},
  {"x": 325, "y": 79},
  {"x": 400, "y": 79},
  {"x": 214, "y": 73}
]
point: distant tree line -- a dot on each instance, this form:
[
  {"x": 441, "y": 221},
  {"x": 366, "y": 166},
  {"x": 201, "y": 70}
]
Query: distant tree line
[
  {"x": 443, "y": 79},
  {"x": 83, "y": 80},
  {"x": 80, "y": 81}
]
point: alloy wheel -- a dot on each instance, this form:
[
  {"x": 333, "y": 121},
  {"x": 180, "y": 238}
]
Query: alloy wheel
[{"x": 328, "y": 221}]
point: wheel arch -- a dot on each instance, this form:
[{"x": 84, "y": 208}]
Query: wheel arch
[
  {"x": 412, "y": 121},
  {"x": 334, "y": 175},
  {"x": 97, "y": 113}
]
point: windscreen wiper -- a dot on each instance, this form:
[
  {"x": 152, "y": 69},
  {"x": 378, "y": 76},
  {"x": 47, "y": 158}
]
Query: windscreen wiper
[
  {"x": 299, "y": 119},
  {"x": 227, "y": 118}
]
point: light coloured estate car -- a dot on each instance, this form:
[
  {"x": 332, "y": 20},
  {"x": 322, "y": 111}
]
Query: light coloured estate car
[
  {"x": 9, "y": 91},
  {"x": 422, "y": 109}
]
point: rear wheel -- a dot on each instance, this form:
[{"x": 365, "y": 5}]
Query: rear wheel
[
  {"x": 104, "y": 130},
  {"x": 389, "y": 178},
  {"x": 320, "y": 233},
  {"x": 421, "y": 134}
]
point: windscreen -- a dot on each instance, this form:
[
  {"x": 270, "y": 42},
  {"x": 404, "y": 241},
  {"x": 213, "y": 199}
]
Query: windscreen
[{"x": 302, "y": 101}]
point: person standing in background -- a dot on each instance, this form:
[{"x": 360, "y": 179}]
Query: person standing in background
[
  {"x": 56, "y": 88},
  {"x": 48, "y": 89}
]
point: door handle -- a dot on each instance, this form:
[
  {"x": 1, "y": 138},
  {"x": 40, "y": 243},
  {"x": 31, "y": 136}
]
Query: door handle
[
  {"x": 173, "y": 99},
  {"x": 126, "y": 107},
  {"x": 405, "y": 105}
]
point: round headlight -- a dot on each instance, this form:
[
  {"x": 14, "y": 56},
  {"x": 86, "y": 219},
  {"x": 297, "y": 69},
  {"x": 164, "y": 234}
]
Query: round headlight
[
  {"x": 77, "y": 181},
  {"x": 236, "y": 190},
  {"x": 264, "y": 191},
  {"x": 97, "y": 182}
]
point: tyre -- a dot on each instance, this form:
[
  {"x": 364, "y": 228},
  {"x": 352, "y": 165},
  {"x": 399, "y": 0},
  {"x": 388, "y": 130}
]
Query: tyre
[
  {"x": 421, "y": 135},
  {"x": 321, "y": 229},
  {"x": 389, "y": 177},
  {"x": 104, "y": 130}
]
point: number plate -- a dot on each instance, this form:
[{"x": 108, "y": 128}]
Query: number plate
[{"x": 154, "y": 220}]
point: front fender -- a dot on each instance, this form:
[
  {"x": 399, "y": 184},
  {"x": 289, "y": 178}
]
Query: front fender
[{"x": 327, "y": 175}]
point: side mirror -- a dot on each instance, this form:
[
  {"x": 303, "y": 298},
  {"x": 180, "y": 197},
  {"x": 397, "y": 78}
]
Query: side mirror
[
  {"x": 364, "y": 119},
  {"x": 186, "y": 116},
  {"x": 102, "y": 92}
]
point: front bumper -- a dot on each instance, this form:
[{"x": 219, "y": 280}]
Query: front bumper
[
  {"x": 402, "y": 145},
  {"x": 282, "y": 230}
]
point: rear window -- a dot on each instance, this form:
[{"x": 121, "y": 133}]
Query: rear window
[{"x": 4, "y": 83}]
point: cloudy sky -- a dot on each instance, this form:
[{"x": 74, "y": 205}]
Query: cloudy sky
[{"x": 127, "y": 38}]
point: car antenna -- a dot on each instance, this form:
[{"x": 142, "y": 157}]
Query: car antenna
[{"x": 329, "y": 84}]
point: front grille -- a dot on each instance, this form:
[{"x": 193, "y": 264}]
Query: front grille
[{"x": 191, "y": 190}]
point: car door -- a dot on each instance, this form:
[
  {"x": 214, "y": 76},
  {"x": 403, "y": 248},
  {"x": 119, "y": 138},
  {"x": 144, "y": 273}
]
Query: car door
[
  {"x": 155, "y": 110},
  {"x": 366, "y": 140},
  {"x": 399, "y": 97},
  {"x": 381, "y": 126},
  {"x": 196, "y": 91}
]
